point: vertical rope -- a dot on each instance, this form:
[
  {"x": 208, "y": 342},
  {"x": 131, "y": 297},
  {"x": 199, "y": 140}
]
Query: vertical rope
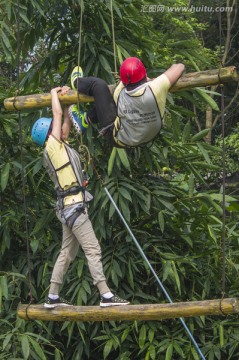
[
  {"x": 80, "y": 31},
  {"x": 223, "y": 197},
  {"x": 21, "y": 157},
  {"x": 113, "y": 35},
  {"x": 79, "y": 55},
  {"x": 223, "y": 237}
]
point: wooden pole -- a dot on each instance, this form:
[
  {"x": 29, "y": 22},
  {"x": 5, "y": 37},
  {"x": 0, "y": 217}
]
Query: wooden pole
[
  {"x": 206, "y": 78},
  {"x": 129, "y": 312},
  {"x": 188, "y": 81}
]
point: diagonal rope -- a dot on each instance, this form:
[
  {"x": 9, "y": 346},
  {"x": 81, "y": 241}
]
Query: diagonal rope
[{"x": 154, "y": 273}]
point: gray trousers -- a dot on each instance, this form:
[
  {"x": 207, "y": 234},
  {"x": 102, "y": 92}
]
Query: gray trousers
[{"x": 81, "y": 234}]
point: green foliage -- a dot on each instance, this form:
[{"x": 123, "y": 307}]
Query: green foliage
[
  {"x": 162, "y": 190},
  {"x": 231, "y": 143}
]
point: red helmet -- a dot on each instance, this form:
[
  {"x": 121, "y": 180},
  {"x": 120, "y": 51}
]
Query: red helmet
[{"x": 132, "y": 70}]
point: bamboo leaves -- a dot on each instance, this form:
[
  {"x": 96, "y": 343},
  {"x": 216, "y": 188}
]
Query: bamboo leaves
[
  {"x": 207, "y": 98},
  {"x": 118, "y": 156},
  {"x": 5, "y": 175},
  {"x": 25, "y": 347},
  {"x": 200, "y": 135},
  {"x": 162, "y": 191}
]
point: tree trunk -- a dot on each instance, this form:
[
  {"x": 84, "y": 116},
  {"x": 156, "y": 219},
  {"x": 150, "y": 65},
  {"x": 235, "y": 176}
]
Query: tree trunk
[{"x": 188, "y": 81}]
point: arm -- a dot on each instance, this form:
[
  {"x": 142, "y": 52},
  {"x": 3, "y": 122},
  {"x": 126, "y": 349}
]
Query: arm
[
  {"x": 174, "y": 73},
  {"x": 66, "y": 124},
  {"x": 59, "y": 130},
  {"x": 57, "y": 113}
]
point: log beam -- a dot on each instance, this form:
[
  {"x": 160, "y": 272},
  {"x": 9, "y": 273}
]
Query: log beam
[
  {"x": 130, "y": 312},
  {"x": 187, "y": 81},
  {"x": 206, "y": 78}
]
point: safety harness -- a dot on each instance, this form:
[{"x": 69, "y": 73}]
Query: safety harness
[
  {"x": 68, "y": 214},
  {"x": 139, "y": 119}
]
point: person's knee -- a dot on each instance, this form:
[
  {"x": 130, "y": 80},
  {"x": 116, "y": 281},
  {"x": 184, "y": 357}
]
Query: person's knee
[
  {"x": 92, "y": 251},
  {"x": 100, "y": 85},
  {"x": 67, "y": 256}
]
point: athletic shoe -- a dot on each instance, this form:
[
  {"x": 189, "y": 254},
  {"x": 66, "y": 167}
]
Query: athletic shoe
[
  {"x": 78, "y": 119},
  {"x": 114, "y": 300},
  {"x": 52, "y": 303},
  {"x": 76, "y": 73}
]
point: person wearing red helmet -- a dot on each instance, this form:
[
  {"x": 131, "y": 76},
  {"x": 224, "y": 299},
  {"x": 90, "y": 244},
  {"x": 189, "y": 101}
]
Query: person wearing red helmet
[
  {"x": 141, "y": 102},
  {"x": 135, "y": 116},
  {"x": 132, "y": 71}
]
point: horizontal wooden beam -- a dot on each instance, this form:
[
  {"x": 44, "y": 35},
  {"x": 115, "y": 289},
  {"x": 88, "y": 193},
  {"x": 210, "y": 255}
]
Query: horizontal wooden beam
[
  {"x": 129, "y": 312},
  {"x": 187, "y": 81},
  {"x": 206, "y": 78}
]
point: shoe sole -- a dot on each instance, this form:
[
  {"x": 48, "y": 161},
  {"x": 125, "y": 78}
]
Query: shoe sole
[
  {"x": 113, "y": 304},
  {"x": 73, "y": 75},
  {"x": 76, "y": 126},
  {"x": 75, "y": 123},
  {"x": 48, "y": 306}
]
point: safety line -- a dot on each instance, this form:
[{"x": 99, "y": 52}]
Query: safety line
[
  {"x": 223, "y": 234},
  {"x": 154, "y": 273},
  {"x": 113, "y": 34},
  {"x": 22, "y": 159}
]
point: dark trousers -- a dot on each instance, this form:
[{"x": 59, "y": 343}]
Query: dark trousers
[{"x": 105, "y": 111}]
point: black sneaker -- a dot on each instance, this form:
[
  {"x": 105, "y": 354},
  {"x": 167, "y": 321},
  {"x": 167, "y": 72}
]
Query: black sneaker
[
  {"x": 114, "y": 300},
  {"x": 52, "y": 303}
]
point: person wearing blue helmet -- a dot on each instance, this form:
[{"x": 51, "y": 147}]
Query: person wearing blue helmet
[
  {"x": 64, "y": 168},
  {"x": 40, "y": 130}
]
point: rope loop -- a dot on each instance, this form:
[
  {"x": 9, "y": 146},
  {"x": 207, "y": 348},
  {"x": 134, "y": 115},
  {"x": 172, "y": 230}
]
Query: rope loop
[{"x": 84, "y": 154}]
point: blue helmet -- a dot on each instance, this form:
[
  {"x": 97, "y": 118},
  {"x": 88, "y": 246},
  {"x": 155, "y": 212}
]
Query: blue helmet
[{"x": 40, "y": 130}]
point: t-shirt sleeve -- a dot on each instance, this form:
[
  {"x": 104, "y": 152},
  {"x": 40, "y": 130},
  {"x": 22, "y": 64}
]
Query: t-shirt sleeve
[{"x": 160, "y": 87}]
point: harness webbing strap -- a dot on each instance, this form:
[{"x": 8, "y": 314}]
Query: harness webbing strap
[
  {"x": 71, "y": 191},
  {"x": 63, "y": 166}
]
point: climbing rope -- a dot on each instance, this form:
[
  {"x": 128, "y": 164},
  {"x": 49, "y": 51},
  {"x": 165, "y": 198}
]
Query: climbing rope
[
  {"x": 113, "y": 35},
  {"x": 223, "y": 236},
  {"x": 85, "y": 155},
  {"x": 78, "y": 61},
  {"x": 154, "y": 273},
  {"x": 23, "y": 179}
]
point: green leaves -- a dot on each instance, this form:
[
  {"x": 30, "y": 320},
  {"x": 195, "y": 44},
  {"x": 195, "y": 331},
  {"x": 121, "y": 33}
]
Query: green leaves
[
  {"x": 168, "y": 191},
  {"x": 200, "y": 135},
  {"x": 5, "y": 175},
  {"x": 207, "y": 98},
  {"x": 107, "y": 348},
  {"x": 25, "y": 346},
  {"x": 118, "y": 157}
]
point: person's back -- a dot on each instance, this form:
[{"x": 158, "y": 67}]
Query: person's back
[
  {"x": 134, "y": 116},
  {"x": 140, "y": 111}
]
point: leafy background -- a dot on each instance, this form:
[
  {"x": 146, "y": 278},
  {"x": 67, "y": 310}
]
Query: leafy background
[{"x": 170, "y": 191}]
